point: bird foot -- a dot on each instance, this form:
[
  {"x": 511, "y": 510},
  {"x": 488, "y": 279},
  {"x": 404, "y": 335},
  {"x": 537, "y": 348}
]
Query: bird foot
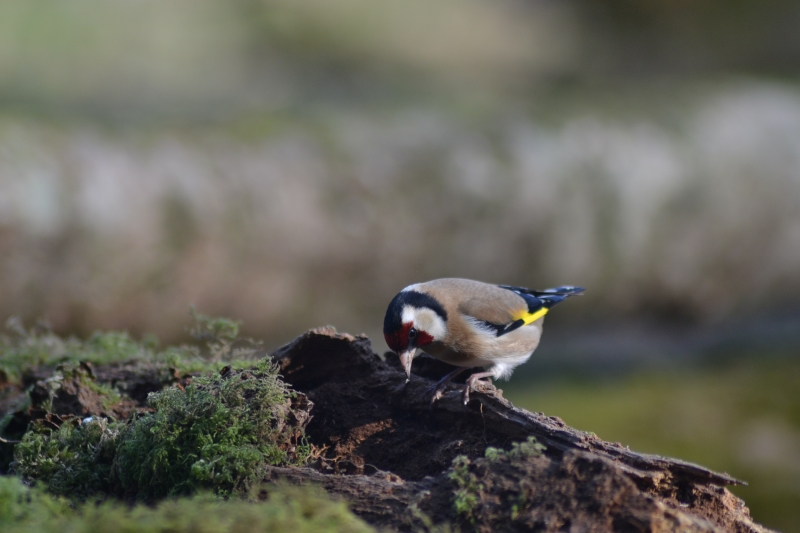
[
  {"x": 465, "y": 395},
  {"x": 472, "y": 381},
  {"x": 437, "y": 391}
]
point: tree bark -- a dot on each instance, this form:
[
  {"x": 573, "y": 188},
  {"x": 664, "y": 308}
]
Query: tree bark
[{"x": 368, "y": 420}]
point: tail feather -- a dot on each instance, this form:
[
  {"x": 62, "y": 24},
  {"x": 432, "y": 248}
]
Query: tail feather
[
  {"x": 567, "y": 290},
  {"x": 549, "y": 297}
]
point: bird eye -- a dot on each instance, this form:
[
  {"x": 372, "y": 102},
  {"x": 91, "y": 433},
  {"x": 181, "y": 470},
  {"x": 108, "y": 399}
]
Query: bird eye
[{"x": 412, "y": 334}]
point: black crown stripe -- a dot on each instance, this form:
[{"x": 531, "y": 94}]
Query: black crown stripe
[{"x": 394, "y": 314}]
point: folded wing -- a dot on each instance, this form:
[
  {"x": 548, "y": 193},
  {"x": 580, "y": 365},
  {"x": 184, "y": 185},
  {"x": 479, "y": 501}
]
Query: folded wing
[{"x": 536, "y": 305}]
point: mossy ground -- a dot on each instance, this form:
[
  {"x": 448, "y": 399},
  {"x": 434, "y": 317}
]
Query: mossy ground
[
  {"x": 206, "y": 437},
  {"x": 211, "y": 433},
  {"x": 24, "y": 349},
  {"x": 299, "y": 510}
]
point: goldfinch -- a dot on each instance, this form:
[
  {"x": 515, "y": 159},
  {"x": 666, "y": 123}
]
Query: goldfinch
[{"x": 469, "y": 324}]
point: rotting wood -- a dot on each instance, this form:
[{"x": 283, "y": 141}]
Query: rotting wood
[{"x": 367, "y": 414}]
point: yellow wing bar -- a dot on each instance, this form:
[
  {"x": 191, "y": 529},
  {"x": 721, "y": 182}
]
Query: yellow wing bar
[{"x": 529, "y": 318}]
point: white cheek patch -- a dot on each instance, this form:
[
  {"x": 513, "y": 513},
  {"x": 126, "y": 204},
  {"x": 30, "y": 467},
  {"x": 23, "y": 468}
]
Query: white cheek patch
[
  {"x": 409, "y": 314},
  {"x": 425, "y": 320},
  {"x": 431, "y": 323}
]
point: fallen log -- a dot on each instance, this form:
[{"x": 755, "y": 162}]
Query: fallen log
[{"x": 369, "y": 420}]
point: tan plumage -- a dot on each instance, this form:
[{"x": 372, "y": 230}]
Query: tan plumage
[
  {"x": 464, "y": 345},
  {"x": 469, "y": 324}
]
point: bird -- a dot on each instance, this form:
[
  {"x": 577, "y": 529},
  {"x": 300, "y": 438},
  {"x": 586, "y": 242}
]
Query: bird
[{"x": 469, "y": 324}]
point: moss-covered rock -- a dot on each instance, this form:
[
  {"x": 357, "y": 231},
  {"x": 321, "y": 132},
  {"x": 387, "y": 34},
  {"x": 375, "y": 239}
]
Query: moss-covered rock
[{"x": 73, "y": 390}]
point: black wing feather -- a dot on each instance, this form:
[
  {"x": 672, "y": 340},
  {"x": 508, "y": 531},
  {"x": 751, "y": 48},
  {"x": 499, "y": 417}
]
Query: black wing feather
[{"x": 502, "y": 329}]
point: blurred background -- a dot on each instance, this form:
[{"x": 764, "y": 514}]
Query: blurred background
[{"x": 296, "y": 163}]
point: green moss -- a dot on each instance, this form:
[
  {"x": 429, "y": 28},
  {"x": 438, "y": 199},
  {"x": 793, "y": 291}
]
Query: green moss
[
  {"x": 519, "y": 450},
  {"x": 27, "y": 348},
  {"x": 218, "y": 434},
  {"x": 295, "y": 510},
  {"x": 214, "y": 329},
  {"x": 73, "y": 460},
  {"x": 39, "y": 346},
  {"x": 527, "y": 449},
  {"x": 221, "y": 337},
  {"x": 71, "y": 371},
  {"x": 25, "y": 509},
  {"x": 467, "y": 489}
]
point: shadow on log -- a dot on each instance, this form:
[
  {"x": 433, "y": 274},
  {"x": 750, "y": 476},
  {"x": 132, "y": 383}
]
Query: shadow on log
[{"x": 406, "y": 465}]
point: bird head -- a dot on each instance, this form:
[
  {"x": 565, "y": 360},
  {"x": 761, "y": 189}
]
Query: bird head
[{"x": 413, "y": 320}]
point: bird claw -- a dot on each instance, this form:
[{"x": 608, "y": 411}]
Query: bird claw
[
  {"x": 470, "y": 384},
  {"x": 437, "y": 391},
  {"x": 441, "y": 385}
]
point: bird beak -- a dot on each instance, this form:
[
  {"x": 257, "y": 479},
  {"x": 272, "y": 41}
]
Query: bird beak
[{"x": 405, "y": 359}]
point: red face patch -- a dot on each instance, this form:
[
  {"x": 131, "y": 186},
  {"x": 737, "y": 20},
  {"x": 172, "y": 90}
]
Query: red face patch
[
  {"x": 398, "y": 340},
  {"x": 424, "y": 339}
]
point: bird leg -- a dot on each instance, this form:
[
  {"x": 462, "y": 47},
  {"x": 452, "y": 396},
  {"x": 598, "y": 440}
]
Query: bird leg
[
  {"x": 474, "y": 378},
  {"x": 438, "y": 389}
]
